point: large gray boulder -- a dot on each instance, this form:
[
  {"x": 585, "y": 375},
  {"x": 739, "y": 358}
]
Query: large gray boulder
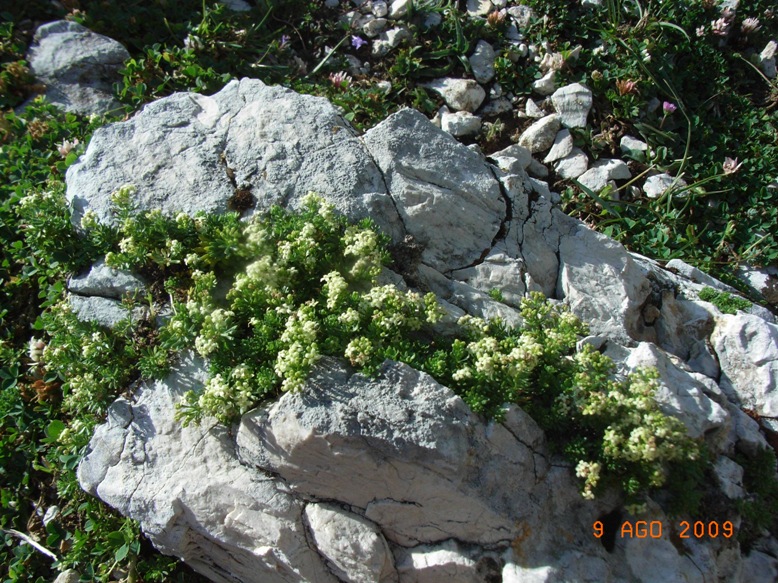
[
  {"x": 394, "y": 478},
  {"x": 77, "y": 66}
]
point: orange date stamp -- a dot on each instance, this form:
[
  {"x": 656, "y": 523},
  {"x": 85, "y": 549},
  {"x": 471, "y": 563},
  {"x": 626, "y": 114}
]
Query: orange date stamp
[{"x": 654, "y": 528}]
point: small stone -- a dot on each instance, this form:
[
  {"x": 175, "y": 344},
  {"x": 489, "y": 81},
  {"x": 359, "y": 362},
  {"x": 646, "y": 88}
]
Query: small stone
[
  {"x": 655, "y": 186},
  {"x": 730, "y": 477},
  {"x": 236, "y": 5},
  {"x": 384, "y": 86},
  {"x": 513, "y": 35},
  {"x": 479, "y": 7},
  {"x": 374, "y": 26},
  {"x": 355, "y": 66},
  {"x": 546, "y": 85},
  {"x": 461, "y": 123},
  {"x": 496, "y": 107},
  {"x": 433, "y": 19},
  {"x": 77, "y": 67},
  {"x": 540, "y": 135},
  {"x": 521, "y": 15},
  {"x": 512, "y": 159},
  {"x": 763, "y": 280},
  {"x": 563, "y": 145},
  {"x": 767, "y": 59},
  {"x": 380, "y": 8},
  {"x": 602, "y": 172},
  {"x": 532, "y": 110},
  {"x": 69, "y": 576},
  {"x": 388, "y": 40},
  {"x": 630, "y": 145},
  {"x": 536, "y": 169},
  {"x": 573, "y": 165},
  {"x": 459, "y": 94},
  {"x": 398, "y": 9},
  {"x": 572, "y": 103},
  {"x": 331, "y": 3},
  {"x": 439, "y": 114},
  {"x": 482, "y": 62},
  {"x": 495, "y": 91}
]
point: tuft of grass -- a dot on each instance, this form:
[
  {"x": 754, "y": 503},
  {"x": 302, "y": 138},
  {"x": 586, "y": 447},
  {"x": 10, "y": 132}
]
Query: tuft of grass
[{"x": 724, "y": 301}]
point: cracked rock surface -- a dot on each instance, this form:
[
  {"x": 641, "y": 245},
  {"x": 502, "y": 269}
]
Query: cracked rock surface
[{"x": 395, "y": 479}]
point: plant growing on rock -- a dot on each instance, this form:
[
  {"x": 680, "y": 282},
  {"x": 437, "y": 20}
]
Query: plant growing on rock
[{"x": 311, "y": 288}]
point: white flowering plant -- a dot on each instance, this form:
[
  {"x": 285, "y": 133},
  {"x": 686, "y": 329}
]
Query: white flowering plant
[
  {"x": 610, "y": 428},
  {"x": 263, "y": 300}
]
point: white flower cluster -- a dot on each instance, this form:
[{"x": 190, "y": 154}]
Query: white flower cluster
[
  {"x": 217, "y": 327},
  {"x": 590, "y": 472},
  {"x": 495, "y": 359},
  {"x": 336, "y": 287},
  {"x": 301, "y": 350},
  {"x": 362, "y": 244},
  {"x": 394, "y": 310},
  {"x": 224, "y": 398},
  {"x": 359, "y": 351}
]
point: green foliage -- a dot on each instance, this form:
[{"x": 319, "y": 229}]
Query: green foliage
[
  {"x": 759, "y": 507},
  {"x": 724, "y": 301}
]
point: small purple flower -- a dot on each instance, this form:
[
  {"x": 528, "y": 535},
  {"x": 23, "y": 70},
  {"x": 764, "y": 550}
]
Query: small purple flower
[
  {"x": 669, "y": 108},
  {"x": 284, "y": 41},
  {"x": 357, "y": 42}
]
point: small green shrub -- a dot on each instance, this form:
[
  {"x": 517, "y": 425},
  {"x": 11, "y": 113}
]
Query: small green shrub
[{"x": 724, "y": 301}]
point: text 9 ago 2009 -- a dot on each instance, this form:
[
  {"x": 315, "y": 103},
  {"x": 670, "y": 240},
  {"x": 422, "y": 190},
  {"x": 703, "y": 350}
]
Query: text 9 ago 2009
[{"x": 654, "y": 529}]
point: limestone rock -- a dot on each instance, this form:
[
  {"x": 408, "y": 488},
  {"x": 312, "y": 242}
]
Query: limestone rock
[
  {"x": 762, "y": 280},
  {"x": 482, "y": 62},
  {"x": 546, "y": 85},
  {"x": 354, "y": 545},
  {"x": 102, "y": 310},
  {"x": 747, "y": 349},
  {"x": 540, "y": 135},
  {"x": 730, "y": 477},
  {"x": 459, "y": 94},
  {"x": 573, "y": 165},
  {"x": 393, "y": 478},
  {"x": 602, "y": 172},
  {"x": 697, "y": 276},
  {"x": 563, "y": 146},
  {"x": 460, "y": 123},
  {"x": 767, "y": 59},
  {"x": 106, "y": 282},
  {"x": 184, "y": 143},
  {"x": 630, "y": 145},
  {"x": 420, "y": 443},
  {"x": 680, "y": 394},
  {"x": 77, "y": 66},
  {"x": 436, "y": 564},
  {"x": 655, "y": 186},
  {"x": 236, "y": 525},
  {"x": 572, "y": 103},
  {"x": 512, "y": 159},
  {"x": 389, "y": 40},
  {"x": 446, "y": 175},
  {"x": 606, "y": 292}
]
